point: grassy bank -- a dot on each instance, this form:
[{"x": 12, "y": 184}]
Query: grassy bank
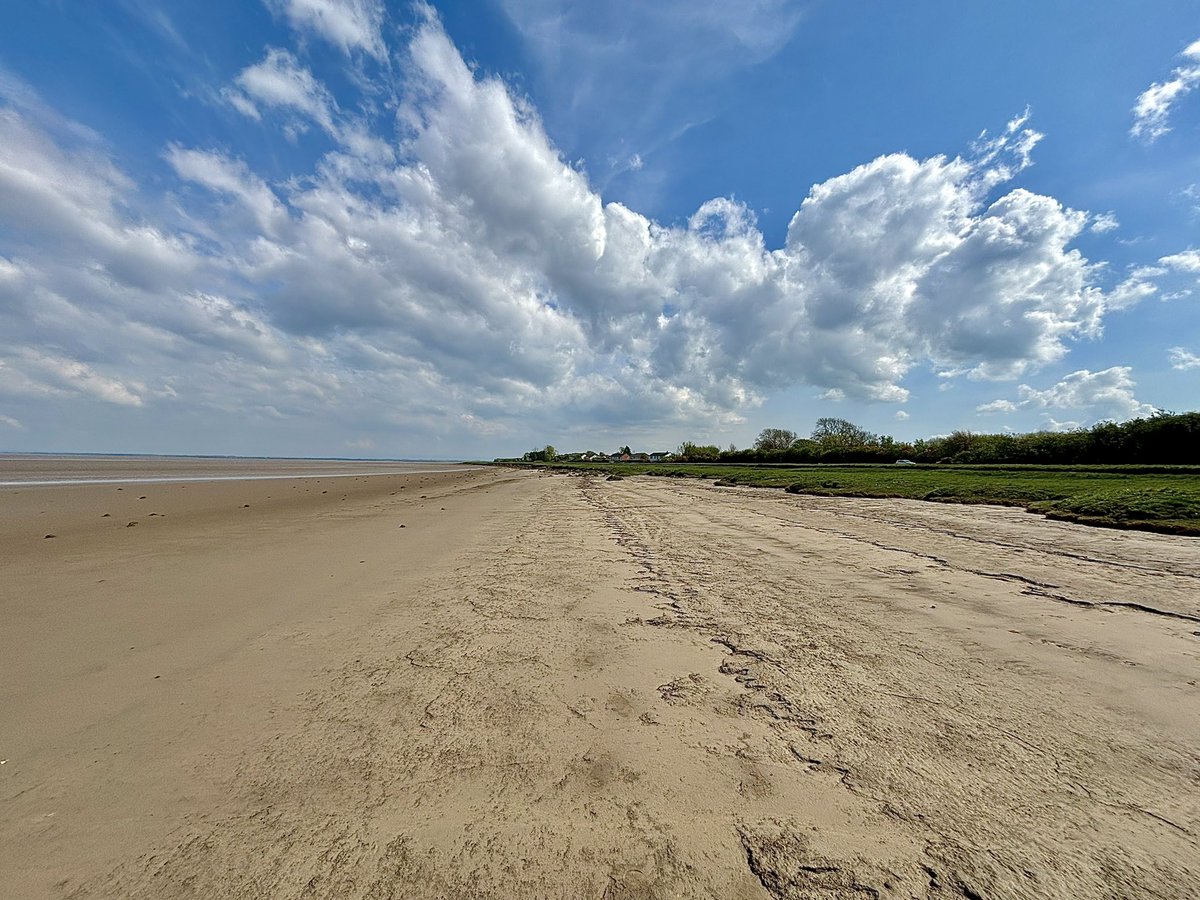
[{"x": 1149, "y": 498}]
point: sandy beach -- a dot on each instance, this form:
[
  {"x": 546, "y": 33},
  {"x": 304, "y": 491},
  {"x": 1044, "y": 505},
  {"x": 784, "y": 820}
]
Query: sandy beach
[{"x": 499, "y": 683}]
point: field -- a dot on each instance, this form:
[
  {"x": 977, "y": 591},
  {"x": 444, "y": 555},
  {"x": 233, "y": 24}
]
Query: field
[{"x": 1149, "y": 498}]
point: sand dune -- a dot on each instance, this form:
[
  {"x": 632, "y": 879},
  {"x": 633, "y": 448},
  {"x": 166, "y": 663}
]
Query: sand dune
[{"x": 563, "y": 687}]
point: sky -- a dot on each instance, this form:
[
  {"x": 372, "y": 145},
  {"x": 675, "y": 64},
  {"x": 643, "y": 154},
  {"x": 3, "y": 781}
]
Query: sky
[{"x": 463, "y": 230}]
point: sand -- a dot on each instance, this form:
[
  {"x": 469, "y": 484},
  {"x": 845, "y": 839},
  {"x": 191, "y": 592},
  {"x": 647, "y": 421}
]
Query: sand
[{"x": 552, "y": 686}]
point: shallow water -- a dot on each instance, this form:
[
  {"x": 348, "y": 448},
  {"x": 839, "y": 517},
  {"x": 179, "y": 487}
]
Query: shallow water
[{"x": 38, "y": 470}]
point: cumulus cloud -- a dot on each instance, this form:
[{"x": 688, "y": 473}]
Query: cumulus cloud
[
  {"x": 280, "y": 81},
  {"x": 466, "y": 277},
  {"x": 348, "y": 24},
  {"x": 1102, "y": 223},
  {"x": 1183, "y": 359},
  {"x": 1105, "y": 394},
  {"x": 1187, "y": 261},
  {"x": 1153, "y": 106}
]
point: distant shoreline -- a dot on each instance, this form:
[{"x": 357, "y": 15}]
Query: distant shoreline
[
  {"x": 181, "y": 479},
  {"x": 44, "y": 454},
  {"x": 51, "y": 470}
]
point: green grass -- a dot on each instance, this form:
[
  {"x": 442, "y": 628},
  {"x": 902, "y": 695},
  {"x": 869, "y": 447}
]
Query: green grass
[{"x": 1148, "y": 498}]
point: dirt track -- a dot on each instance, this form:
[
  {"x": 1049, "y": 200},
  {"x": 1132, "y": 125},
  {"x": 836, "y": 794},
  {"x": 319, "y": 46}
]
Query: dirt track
[{"x": 569, "y": 687}]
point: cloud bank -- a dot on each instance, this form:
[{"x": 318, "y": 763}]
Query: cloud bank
[
  {"x": 1109, "y": 393},
  {"x": 443, "y": 270}
]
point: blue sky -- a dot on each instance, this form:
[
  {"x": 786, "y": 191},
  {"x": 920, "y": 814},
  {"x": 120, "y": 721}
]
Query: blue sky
[{"x": 345, "y": 227}]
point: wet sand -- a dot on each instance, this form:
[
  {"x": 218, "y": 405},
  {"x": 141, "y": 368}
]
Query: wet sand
[
  {"x": 559, "y": 686},
  {"x": 30, "y": 470}
]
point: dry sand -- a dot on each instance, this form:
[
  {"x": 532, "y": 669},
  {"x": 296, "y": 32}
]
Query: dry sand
[{"x": 550, "y": 686}]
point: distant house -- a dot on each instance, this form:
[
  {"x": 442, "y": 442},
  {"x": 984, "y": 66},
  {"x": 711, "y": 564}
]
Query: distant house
[{"x": 659, "y": 457}]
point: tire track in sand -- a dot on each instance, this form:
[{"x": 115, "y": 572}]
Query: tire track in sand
[{"x": 1043, "y": 752}]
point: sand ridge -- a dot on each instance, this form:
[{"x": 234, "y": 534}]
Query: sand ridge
[{"x": 559, "y": 686}]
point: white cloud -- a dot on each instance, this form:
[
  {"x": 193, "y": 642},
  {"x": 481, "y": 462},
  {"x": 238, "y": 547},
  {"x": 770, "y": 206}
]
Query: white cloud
[
  {"x": 241, "y": 103},
  {"x": 1134, "y": 289},
  {"x": 348, "y": 24},
  {"x": 55, "y": 187},
  {"x": 902, "y": 416},
  {"x": 1183, "y": 359},
  {"x": 66, "y": 195},
  {"x": 1191, "y": 194},
  {"x": 1153, "y": 106},
  {"x": 1105, "y": 394},
  {"x": 233, "y": 178},
  {"x": 45, "y": 374},
  {"x": 280, "y": 81},
  {"x": 10, "y": 422},
  {"x": 1102, "y": 223},
  {"x": 1187, "y": 261},
  {"x": 1066, "y": 425},
  {"x": 468, "y": 280},
  {"x": 1003, "y": 406}
]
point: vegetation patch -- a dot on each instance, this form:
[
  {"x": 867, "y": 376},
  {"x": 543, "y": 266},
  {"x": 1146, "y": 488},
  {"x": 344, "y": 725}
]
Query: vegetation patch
[
  {"x": 1136, "y": 474},
  {"x": 1150, "y": 498}
]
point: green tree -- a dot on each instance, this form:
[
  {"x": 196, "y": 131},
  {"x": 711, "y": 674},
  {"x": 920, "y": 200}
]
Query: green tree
[
  {"x": 839, "y": 435},
  {"x": 690, "y": 452},
  {"x": 775, "y": 439}
]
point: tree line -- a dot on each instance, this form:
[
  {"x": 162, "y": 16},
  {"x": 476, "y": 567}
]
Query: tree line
[{"x": 1163, "y": 438}]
